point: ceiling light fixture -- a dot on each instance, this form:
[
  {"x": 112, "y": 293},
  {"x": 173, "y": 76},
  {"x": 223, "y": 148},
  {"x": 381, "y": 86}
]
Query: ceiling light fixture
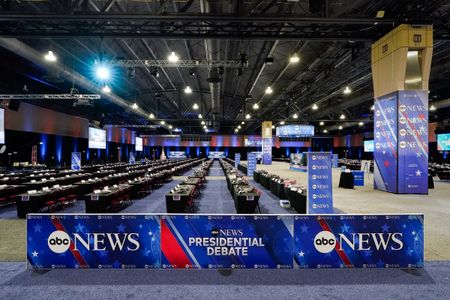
[
  {"x": 106, "y": 89},
  {"x": 195, "y": 106},
  {"x": 203, "y": 123},
  {"x": 239, "y": 127},
  {"x": 295, "y": 116},
  {"x": 170, "y": 126},
  {"x": 322, "y": 123},
  {"x": 200, "y": 116},
  {"x": 315, "y": 107},
  {"x": 134, "y": 106},
  {"x": 255, "y": 106},
  {"x": 432, "y": 107},
  {"x": 248, "y": 116},
  {"x": 236, "y": 130},
  {"x": 294, "y": 58},
  {"x": 151, "y": 116},
  {"x": 269, "y": 90},
  {"x": 325, "y": 131},
  {"x": 242, "y": 122},
  {"x": 172, "y": 57},
  {"x": 103, "y": 73},
  {"x": 50, "y": 56},
  {"x": 188, "y": 90},
  {"x": 372, "y": 107},
  {"x": 340, "y": 127},
  {"x": 282, "y": 123},
  {"x": 204, "y": 127},
  {"x": 162, "y": 122},
  {"x": 361, "y": 123},
  {"x": 347, "y": 90},
  {"x": 342, "y": 117}
]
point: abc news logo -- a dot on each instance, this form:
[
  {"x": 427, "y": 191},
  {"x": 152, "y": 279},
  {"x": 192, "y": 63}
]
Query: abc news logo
[
  {"x": 59, "y": 241},
  {"x": 325, "y": 241}
]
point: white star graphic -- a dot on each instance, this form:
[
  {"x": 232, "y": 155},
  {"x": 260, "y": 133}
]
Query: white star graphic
[
  {"x": 150, "y": 233},
  {"x": 302, "y": 254},
  {"x": 419, "y": 154},
  {"x": 35, "y": 254},
  {"x": 384, "y": 151},
  {"x": 418, "y": 173},
  {"x": 413, "y": 233}
]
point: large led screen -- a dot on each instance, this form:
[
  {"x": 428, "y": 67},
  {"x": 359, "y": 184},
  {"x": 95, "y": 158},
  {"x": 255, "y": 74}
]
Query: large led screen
[
  {"x": 2, "y": 126},
  {"x": 138, "y": 144},
  {"x": 97, "y": 138},
  {"x": 443, "y": 142},
  {"x": 368, "y": 146}
]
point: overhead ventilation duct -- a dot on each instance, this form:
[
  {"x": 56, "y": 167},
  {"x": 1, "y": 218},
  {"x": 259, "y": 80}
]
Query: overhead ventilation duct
[{"x": 213, "y": 53}]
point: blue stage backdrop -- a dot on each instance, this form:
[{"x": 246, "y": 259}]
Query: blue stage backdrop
[
  {"x": 413, "y": 142},
  {"x": 371, "y": 241},
  {"x": 93, "y": 241},
  {"x": 385, "y": 152},
  {"x": 320, "y": 188},
  {"x": 226, "y": 241}
]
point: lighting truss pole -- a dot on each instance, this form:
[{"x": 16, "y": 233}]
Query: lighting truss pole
[
  {"x": 50, "y": 96},
  {"x": 127, "y": 63}
]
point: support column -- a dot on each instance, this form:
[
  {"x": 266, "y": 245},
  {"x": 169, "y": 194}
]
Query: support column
[
  {"x": 401, "y": 62},
  {"x": 266, "y": 135}
]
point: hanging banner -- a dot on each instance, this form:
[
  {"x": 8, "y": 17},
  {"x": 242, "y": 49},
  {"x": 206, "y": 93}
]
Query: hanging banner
[
  {"x": 93, "y": 241},
  {"x": 210, "y": 242},
  {"x": 237, "y": 159},
  {"x": 359, "y": 241},
  {"x": 320, "y": 189},
  {"x": 251, "y": 164},
  {"x": 266, "y": 134},
  {"x": 132, "y": 159},
  {"x": 75, "y": 163},
  {"x": 413, "y": 142},
  {"x": 224, "y": 241}
]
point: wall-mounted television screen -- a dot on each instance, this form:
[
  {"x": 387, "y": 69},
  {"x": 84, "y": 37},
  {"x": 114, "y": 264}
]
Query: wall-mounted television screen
[
  {"x": 368, "y": 146},
  {"x": 138, "y": 144},
  {"x": 97, "y": 138},
  {"x": 443, "y": 142}
]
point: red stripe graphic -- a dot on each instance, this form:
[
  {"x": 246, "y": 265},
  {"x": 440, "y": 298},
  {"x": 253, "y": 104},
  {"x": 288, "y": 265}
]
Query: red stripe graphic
[
  {"x": 338, "y": 249},
  {"x": 171, "y": 248},
  {"x": 78, "y": 257}
]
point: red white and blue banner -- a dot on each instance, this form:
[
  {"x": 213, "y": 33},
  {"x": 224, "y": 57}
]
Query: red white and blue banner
[
  {"x": 385, "y": 140},
  {"x": 359, "y": 241},
  {"x": 224, "y": 241},
  {"x": 251, "y": 163},
  {"x": 320, "y": 188},
  {"x": 413, "y": 142},
  {"x": 218, "y": 241},
  {"x": 401, "y": 142},
  {"x": 75, "y": 163}
]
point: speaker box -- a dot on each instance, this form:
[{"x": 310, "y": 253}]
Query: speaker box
[{"x": 14, "y": 104}]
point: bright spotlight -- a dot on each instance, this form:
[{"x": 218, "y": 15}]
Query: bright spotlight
[
  {"x": 315, "y": 107},
  {"x": 248, "y": 116},
  {"x": 170, "y": 126},
  {"x": 195, "y": 106},
  {"x": 269, "y": 90},
  {"x": 151, "y": 116},
  {"x": 322, "y": 123},
  {"x": 239, "y": 127},
  {"x": 203, "y": 123},
  {"x": 188, "y": 90},
  {"x": 162, "y": 122},
  {"x": 295, "y": 116},
  {"x": 172, "y": 57},
  {"x": 106, "y": 89},
  {"x": 325, "y": 131},
  {"x": 242, "y": 122},
  {"x": 340, "y": 127},
  {"x": 342, "y": 117},
  {"x": 361, "y": 123},
  {"x": 294, "y": 58},
  {"x": 200, "y": 116},
  {"x": 282, "y": 123},
  {"x": 103, "y": 73},
  {"x": 347, "y": 90},
  {"x": 134, "y": 106},
  {"x": 50, "y": 56},
  {"x": 255, "y": 106}
]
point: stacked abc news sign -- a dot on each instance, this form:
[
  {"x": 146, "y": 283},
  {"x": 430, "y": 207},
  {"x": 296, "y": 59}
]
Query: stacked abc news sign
[{"x": 224, "y": 241}]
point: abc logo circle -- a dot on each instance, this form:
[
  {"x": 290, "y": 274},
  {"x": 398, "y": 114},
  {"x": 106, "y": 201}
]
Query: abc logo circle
[
  {"x": 324, "y": 242},
  {"x": 59, "y": 241}
]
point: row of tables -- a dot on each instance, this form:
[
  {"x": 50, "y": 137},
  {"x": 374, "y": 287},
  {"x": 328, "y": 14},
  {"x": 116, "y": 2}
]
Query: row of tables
[
  {"x": 246, "y": 197},
  {"x": 106, "y": 190},
  {"x": 181, "y": 198}
]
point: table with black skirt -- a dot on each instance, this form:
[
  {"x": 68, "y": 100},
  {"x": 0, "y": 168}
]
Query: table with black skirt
[{"x": 347, "y": 180}]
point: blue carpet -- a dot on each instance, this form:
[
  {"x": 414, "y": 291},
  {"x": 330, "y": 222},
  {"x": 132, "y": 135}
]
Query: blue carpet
[
  {"x": 215, "y": 197},
  {"x": 432, "y": 282}
]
